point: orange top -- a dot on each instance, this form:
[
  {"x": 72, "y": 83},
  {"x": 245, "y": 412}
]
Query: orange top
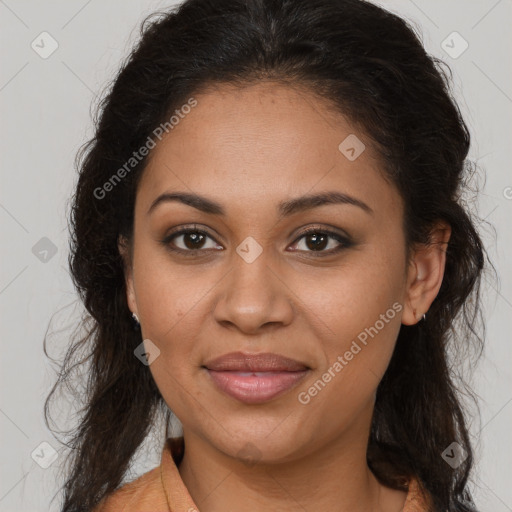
[{"x": 163, "y": 490}]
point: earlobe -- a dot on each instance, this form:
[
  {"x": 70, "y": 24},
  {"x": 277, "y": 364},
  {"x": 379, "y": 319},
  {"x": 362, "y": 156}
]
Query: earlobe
[
  {"x": 426, "y": 272},
  {"x": 124, "y": 251},
  {"x": 130, "y": 293}
]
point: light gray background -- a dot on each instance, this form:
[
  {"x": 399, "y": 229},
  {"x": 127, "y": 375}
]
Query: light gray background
[{"x": 45, "y": 114}]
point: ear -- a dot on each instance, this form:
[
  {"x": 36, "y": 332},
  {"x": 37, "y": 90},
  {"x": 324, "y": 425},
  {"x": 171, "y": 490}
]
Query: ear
[
  {"x": 124, "y": 251},
  {"x": 425, "y": 273}
]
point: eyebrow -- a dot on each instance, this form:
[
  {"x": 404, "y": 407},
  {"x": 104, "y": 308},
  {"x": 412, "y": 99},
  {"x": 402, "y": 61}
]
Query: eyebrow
[{"x": 285, "y": 208}]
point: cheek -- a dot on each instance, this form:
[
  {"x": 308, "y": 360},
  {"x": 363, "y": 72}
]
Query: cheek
[
  {"x": 359, "y": 308},
  {"x": 168, "y": 301},
  {"x": 167, "y": 319},
  {"x": 345, "y": 300},
  {"x": 344, "y": 388},
  {"x": 167, "y": 295}
]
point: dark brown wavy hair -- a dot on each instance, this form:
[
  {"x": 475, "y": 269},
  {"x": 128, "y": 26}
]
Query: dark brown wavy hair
[{"x": 370, "y": 65}]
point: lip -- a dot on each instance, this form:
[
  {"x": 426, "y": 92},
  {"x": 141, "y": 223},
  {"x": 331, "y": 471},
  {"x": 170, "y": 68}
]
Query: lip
[
  {"x": 261, "y": 362},
  {"x": 255, "y": 378}
]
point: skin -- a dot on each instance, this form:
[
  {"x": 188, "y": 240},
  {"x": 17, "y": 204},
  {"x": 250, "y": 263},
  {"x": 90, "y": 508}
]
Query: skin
[{"x": 250, "y": 149}]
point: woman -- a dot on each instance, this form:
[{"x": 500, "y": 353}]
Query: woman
[{"x": 272, "y": 195}]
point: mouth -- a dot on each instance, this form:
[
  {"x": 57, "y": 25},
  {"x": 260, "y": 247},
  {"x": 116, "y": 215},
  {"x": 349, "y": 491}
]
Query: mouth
[{"x": 255, "y": 378}]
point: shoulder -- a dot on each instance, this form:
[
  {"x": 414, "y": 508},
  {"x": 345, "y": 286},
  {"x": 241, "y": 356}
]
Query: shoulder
[
  {"x": 145, "y": 491},
  {"x": 418, "y": 499}
]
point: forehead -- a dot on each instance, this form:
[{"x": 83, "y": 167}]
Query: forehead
[{"x": 263, "y": 143}]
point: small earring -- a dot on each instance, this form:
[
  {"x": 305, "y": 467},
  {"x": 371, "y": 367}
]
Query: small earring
[
  {"x": 416, "y": 316},
  {"x": 136, "y": 319}
]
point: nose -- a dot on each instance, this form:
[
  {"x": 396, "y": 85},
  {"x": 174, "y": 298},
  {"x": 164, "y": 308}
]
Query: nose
[{"x": 254, "y": 296}]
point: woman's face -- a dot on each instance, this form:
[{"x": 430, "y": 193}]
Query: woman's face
[{"x": 251, "y": 282}]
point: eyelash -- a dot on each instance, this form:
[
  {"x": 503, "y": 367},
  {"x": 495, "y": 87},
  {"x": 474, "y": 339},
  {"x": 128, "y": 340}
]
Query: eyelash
[{"x": 344, "y": 241}]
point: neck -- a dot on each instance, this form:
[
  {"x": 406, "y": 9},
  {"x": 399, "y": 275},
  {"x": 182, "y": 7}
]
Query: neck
[{"x": 332, "y": 476}]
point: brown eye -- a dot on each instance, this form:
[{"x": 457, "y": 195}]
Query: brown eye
[
  {"x": 193, "y": 240},
  {"x": 189, "y": 240},
  {"x": 321, "y": 242},
  {"x": 317, "y": 241}
]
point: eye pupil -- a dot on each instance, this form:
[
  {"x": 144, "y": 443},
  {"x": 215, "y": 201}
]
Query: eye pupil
[
  {"x": 318, "y": 241},
  {"x": 195, "y": 238}
]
